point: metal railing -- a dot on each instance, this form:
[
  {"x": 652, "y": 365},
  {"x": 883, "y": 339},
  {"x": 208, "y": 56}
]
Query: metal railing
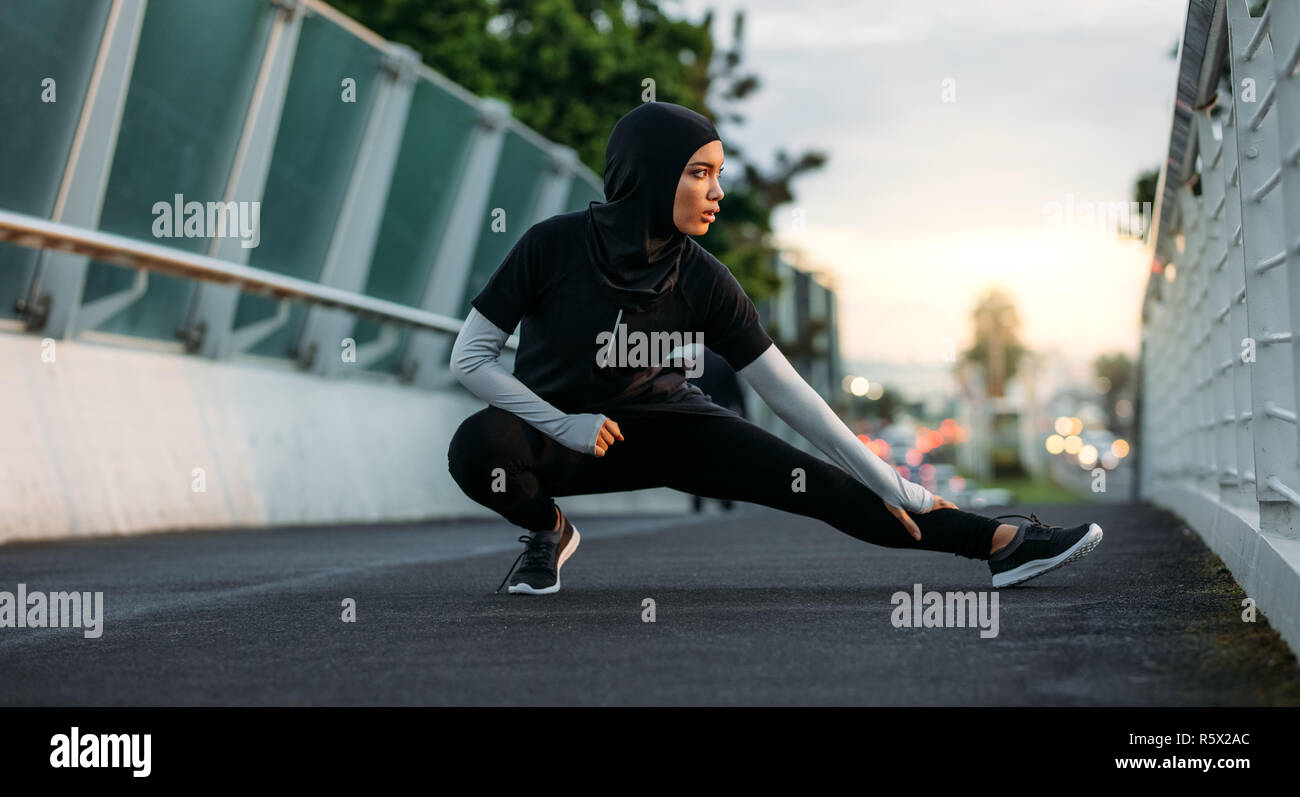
[
  {"x": 424, "y": 245},
  {"x": 401, "y": 101},
  {"x": 1219, "y": 443},
  {"x": 1220, "y": 368},
  {"x": 23, "y": 230}
]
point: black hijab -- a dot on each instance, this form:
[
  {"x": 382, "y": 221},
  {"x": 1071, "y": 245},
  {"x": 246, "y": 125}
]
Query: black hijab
[{"x": 632, "y": 242}]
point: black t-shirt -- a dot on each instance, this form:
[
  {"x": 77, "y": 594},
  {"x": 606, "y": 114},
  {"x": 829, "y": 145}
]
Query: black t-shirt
[{"x": 547, "y": 282}]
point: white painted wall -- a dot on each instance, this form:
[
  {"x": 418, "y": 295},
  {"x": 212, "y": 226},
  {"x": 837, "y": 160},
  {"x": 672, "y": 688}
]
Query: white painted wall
[{"x": 104, "y": 440}]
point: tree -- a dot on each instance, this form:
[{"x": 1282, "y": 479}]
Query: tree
[
  {"x": 996, "y": 350},
  {"x": 570, "y": 68}
]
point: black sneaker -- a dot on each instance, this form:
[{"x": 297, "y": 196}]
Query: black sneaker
[
  {"x": 1043, "y": 548},
  {"x": 545, "y": 554}
]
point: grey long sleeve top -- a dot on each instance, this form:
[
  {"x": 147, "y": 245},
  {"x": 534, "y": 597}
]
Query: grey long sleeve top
[
  {"x": 795, "y": 402},
  {"x": 475, "y": 360}
]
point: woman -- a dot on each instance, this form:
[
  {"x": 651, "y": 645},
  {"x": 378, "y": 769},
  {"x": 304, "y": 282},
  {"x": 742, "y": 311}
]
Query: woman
[
  {"x": 590, "y": 408},
  {"x": 722, "y": 386}
]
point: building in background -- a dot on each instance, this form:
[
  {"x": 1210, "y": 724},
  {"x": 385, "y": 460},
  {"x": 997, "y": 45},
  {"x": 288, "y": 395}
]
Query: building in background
[{"x": 802, "y": 321}]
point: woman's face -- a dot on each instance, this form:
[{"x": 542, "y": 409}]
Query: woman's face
[{"x": 698, "y": 190}]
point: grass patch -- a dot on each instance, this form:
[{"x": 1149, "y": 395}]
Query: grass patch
[{"x": 1028, "y": 490}]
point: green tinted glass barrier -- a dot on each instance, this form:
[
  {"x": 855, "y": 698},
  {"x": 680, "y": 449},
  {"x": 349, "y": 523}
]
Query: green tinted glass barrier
[
  {"x": 514, "y": 189},
  {"x": 420, "y": 199},
  {"x": 184, "y": 115},
  {"x": 319, "y": 137},
  {"x": 58, "y": 41}
]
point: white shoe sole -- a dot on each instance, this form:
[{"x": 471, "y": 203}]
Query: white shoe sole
[
  {"x": 524, "y": 589},
  {"x": 1038, "y": 567}
]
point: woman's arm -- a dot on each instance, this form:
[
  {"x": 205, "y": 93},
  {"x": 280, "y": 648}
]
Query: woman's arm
[
  {"x": 475, "y": 362},
  {"x": 796, "y": 403}
]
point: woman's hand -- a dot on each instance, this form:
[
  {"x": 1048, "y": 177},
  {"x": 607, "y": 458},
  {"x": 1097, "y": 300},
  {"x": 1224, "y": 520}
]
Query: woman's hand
[
  {"x": 608, "y": 432},
  {"x": 906, "y": 519}
]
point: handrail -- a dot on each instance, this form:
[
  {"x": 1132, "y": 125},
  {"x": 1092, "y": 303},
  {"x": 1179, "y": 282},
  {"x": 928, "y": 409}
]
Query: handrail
[{"x": 38, "y": 233}]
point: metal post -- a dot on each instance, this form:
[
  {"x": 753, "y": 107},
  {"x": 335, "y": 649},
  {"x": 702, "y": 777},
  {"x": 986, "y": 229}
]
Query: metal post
[
  {"x": 1189, "y": 320},
  {"x": 1207, "y": 241},
  {"x": 1163, "y": 426},
  {"x": 208, "y": 329},
  {"x": 1285, "y": 36},
  {"x": 60, "y": 277},
  {"x": 1174, "y": 319},
  {"x": 347, "y": 262},
  {"x": 427, "y": 355},
  {"x": 1238, "y": 328},
  {"x": 1221, "y": 349},
  {"x": 1273, "y": 421}
]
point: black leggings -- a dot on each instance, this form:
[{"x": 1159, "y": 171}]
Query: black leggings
[{"x": 505, "y": 464}]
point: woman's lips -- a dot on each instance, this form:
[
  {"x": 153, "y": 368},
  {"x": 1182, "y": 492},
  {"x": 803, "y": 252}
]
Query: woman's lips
[{"x": 709, "y": 217}]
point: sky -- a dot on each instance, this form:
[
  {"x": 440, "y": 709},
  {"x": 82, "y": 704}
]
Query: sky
[{"x": 928, "y": 199}]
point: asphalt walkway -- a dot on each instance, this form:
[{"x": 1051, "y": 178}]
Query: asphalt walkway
[{"x": 753, "y": 606}]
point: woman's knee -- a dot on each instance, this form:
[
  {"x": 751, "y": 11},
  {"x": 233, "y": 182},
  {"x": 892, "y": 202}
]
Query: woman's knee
[
  {"x": 488, "y": 436},
  {"x": 468, "y": 444}
]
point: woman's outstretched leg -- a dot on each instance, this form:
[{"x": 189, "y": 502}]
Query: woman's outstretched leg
[
  {"x": 721, "y": 457},
  {"x": 731, "y": 458}
]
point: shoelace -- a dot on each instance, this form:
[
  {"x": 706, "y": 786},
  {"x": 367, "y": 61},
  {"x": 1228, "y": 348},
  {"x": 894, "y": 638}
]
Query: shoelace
[
  {"x": 537, "y": 553},
  {"x": 1032, "y": 518}
]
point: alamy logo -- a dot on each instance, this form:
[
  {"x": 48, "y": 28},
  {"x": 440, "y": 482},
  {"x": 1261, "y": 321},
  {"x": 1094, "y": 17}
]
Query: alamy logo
[
  {"x": 1126, "y": 219},
  {"x": 621, "y": 349},
  {"x": 181, "y": 219},
  {"x": 946, "y": 610},
  {"x": 56, "y": 610},
  {"x": 102, "y": 750}
]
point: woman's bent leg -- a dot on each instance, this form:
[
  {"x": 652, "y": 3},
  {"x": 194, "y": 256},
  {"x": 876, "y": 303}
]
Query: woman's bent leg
[
  {"x": 505, "y": 464},
  {"x": 731, "y": 458}
]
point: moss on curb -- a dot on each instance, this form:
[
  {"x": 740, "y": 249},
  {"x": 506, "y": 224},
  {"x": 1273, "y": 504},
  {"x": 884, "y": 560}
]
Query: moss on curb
[{"x": 1269, "y": 671}]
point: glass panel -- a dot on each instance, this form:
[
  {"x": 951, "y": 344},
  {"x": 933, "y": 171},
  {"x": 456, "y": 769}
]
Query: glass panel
[
  {"x": 319, "y": 137},
  {"x": 184, "y": 115},
  {"x": 438, "y": 132},
  {"x": 514, "y": 191},
  {"x": 581, "y": 194},
  {"x": 56, "y": 39}
]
